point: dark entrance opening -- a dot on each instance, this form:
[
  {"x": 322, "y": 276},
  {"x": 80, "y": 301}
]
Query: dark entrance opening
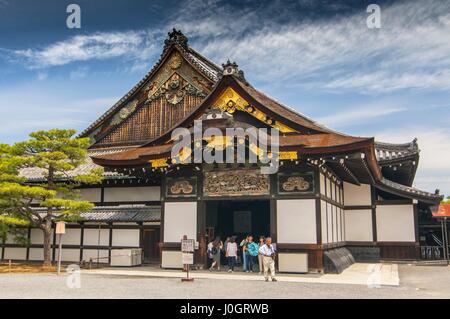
[
  {"x": 151, "y": 239},
  {"x": 239, "y": 218}
]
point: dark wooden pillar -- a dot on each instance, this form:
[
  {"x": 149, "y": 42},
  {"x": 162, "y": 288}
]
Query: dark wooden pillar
[
  {"x": 110, "y": 226},
  {"x": 161, "y": 227},
  {"x": 374, "y": 213},
  {"x": 81, "y": 240},
  {"x": 273, "y": 206},
  {"x": 201, "y": 234},
  {"x": 3, "y": 249},
  {"x": 416, "y": 229},
  {"x": 28, "y": 243},
  {"x": 54, "y": 243},
  {"x": 318, "y": 207}
]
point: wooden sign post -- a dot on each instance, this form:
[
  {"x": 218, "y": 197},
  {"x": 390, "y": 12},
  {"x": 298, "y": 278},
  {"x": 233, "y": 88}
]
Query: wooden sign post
[
  {"x": 60, "y": 230},
  {"x": 187, "y": 256}
]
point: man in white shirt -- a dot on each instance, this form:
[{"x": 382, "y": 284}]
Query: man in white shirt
[{"x": 268, "y": 252}]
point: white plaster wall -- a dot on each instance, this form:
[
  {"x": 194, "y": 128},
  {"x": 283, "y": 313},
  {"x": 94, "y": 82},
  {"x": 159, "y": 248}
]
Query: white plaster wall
[
  {"x": 330, "y": 223},
  {"x": 71, "y": 237},
  {"x": 94, "y": 254},
  {"x": 328, "y": 187},
  {"x": 296, "y": 221},
  {"x": 180, "y": 218},
  {"x": 125, "y": 237},
  {"x": 338, "y": 224},
  {"x": 293, "y": 262},
  {"x": 91, "y": 237},
  {"x": 171, "y": 259},
  {"x": 15, "y": 253},
  {"x": 37, "y": 236},
  {"x": 395, "y": 223},
  {"x": 36, "y": 254},
  {"x": 323, "y": 217},
  {"x": 70, "y": 255},
  {"x": 357, "y": 195},
  {"x": 130, "y": 194},
  {"x": 335, "y": 224},
  {"x": 91, "y": 194},
  {"x": 358, "y": 225},
  {"x": 333, "y": 191},
  {"x": 322, "y": 184}
]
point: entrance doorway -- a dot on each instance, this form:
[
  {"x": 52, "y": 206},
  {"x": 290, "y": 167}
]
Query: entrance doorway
[
  {"x": 151, "y": 245},
  {"x": 238, "y": 218}
]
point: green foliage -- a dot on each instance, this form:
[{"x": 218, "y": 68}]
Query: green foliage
[
  {"x": 446, "y": 201},
  {"x": 18, "y": 234},
  {"x": 54, "y": 153},
  {"x": 3, "y": 231}
]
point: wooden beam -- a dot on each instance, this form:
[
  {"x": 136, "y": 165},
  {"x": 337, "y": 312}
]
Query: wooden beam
[{"x": 350, "y": 173}]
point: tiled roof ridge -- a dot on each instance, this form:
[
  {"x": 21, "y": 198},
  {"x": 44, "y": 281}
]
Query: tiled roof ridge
[
  {"x": 396, "y": 146},
  {"x": 120, "y": 213},
  {"x": 410, "y": 189},
  {"x": 387, "y": 152}
]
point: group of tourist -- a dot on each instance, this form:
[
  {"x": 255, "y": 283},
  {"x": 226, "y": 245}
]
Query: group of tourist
[{"x": 252, "y": 253}]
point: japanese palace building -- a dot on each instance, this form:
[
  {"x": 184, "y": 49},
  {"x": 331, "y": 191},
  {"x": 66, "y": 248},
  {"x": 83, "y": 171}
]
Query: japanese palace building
[{"x": 333, "y": 199}]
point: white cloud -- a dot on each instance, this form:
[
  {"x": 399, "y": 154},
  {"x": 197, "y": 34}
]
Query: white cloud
[
  {"x": 97, "y": 46},
  {"x": 411, "y": 50},
  {"x": 359, "y": 115},
  {"x": 37, "y": 109},
  {"x": 41, "y": 76},
  {"x": 79, "y": 73}
]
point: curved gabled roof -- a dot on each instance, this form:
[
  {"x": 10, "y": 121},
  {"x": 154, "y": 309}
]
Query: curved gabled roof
[
  {"x": 389, "y": 152},
  {"x": 174, "y": 41},
  {"x": 408, "y": 191},
  {"x": 281, "y": 109}
]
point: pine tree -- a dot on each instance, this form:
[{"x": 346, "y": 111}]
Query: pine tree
[{"x": 54, "y": 154}]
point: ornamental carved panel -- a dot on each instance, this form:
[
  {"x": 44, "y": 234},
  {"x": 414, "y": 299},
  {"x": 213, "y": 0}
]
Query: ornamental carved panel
[
  {"x": 235, "y": 183},
  {"x": 296, "y": 183},
  {"x": 181, "y": 187}
]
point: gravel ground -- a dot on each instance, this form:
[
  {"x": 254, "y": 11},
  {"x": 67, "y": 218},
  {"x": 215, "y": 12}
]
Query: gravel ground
[{"x": 416, "y": 282}]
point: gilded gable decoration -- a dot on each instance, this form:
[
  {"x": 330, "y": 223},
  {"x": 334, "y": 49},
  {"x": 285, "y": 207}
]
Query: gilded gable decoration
[
  {"x": 176, "y": 61},
  {"x": 145, "y": 123},
  {"x": 124, "y": 112},
  {"x": 230, "y": 101},
  {"x": 152, "y": 88},
  {"x": 175, "y": 89}
]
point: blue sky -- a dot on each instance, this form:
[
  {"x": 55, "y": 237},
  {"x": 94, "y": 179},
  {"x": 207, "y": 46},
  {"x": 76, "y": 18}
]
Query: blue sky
[{"x": 317, "y": 56}]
